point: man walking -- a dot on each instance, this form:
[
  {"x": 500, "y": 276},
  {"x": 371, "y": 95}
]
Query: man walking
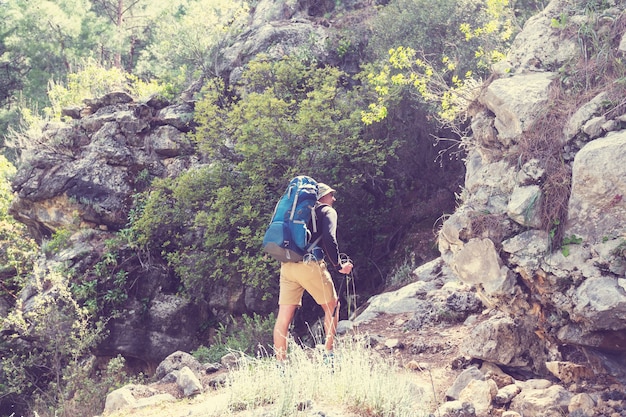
[{"x": 312, "y": 276}]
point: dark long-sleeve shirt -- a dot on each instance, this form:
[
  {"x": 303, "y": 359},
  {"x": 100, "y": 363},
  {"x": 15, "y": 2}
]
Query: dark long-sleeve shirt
[{"x": 326, "y": 221}]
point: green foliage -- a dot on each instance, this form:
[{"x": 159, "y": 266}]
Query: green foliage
[
  {"x": 104, "y": 288},
  {"x": 44, "y": 344},
  {"x": 17, "y": 250},
  {"x": 567, "y": 241},
  {"x": 451, "y": 93},
  {"x": 189, "y": 37},
  {"x": 44, "y": 39},
  {"x": 251, "y": 335},
  {"x": 93, "y": 80},
  {"x": 454, "y": 53},
  {"x": 208, "y": 227},
  {"x": 401, "y": 274},
  {"x": 60, "y": 240},
  {"x": 559, "y": 23},
  {"x": 286, "y": 119},
  {"x": 90, "y": 388},
  {"x": 43, "y": 42},
  {"x": 416, "y": 23}
]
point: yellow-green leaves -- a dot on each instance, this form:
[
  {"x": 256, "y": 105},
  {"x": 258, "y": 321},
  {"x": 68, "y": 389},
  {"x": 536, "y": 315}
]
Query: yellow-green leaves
[
  {"x": 438, "y": 84},
  {"x": 93, "y": 80},
  {"x": 446, "y": 79}
]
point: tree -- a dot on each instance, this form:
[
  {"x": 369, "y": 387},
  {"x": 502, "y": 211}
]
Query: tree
[
  {"x": 129, "y": 29},
  {"x": 189, "y": 37},
  {"x": 48, "y": 38}
]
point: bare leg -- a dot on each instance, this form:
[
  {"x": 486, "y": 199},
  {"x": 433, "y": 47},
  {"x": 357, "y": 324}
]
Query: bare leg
[
  {"x": 331, "y": 317},
  {"x": 281, "y": 330}
]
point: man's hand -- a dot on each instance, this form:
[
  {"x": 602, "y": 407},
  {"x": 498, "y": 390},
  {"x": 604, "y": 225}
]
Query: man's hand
[{"x": 346, "y": 268}]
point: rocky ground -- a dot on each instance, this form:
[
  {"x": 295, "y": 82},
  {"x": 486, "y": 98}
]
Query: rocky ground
[
  {"x": 433, "y": 358},
  {"x": 431, "y": 355}
]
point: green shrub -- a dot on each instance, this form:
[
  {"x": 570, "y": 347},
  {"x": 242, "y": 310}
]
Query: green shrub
[
  {"x": 44, "y": 346},
  {"x": 93, "y": 80},
  {"x": 440, "y": 54},
  {"x": 401, "y": 274},
  {"x": 60, "y": 240},
  {"x": 251, "y": 335},
  {"x": 286, "y": 118}
]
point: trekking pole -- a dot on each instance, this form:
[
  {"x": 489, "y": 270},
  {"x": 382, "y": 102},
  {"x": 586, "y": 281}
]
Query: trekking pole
[
  {"x": 344, "y": 259},
  {"x": 350, "y": 280}
]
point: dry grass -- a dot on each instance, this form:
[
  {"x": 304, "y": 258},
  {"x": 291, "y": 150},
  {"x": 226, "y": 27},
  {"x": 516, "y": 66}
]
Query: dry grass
[
  {"x": 356, "y": 379},
  {"x": 491, "y": 226},
  {"x": 358, "y": 382}
]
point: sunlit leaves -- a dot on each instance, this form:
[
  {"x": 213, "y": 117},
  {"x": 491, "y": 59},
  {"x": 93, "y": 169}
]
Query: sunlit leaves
[
  {"x": 446, "y": 78},
  {"x": 189, "y": 36},
  {"x": 286, "y": 118},
  {"x": 93, "y": 80}
]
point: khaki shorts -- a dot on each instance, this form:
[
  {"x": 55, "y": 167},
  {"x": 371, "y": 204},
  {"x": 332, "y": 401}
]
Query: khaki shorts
[{"x": 311, "y": 276}]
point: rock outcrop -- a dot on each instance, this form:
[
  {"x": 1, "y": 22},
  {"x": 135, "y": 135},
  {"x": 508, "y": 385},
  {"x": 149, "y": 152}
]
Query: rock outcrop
[
  {"x": 85, "y": 173},
  {"x": 565, "y": 299}
]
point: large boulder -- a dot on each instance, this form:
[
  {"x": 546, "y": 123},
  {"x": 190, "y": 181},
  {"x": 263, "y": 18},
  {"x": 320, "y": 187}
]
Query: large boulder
[
  {"x": 596, "y": 208},
  {"x": 86, "y": 170},
  {"x": 517, "y": 102}
]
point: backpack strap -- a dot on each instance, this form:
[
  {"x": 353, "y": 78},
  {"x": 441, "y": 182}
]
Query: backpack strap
[{"x": 313, "y": 244}]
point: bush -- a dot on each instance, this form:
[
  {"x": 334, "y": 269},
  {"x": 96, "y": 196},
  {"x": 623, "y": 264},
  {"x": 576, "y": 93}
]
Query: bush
[
  {"x": 251, "y": 335},
  {"x": 286, "y": 118},
  {"x": 44, "y": 344},
  {"x": 93, "y": 80}
]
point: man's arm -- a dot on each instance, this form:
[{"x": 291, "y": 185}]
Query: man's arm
[{"x": 329, "y": 240}]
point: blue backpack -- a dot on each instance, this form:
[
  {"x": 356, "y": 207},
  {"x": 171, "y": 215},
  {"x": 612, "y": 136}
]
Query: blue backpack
[{"x": 287, "y": 237}]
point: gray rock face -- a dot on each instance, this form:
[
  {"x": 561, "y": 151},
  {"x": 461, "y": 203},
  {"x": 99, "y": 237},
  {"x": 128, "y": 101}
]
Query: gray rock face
[
  {"x": 596, "y": 207},
  {"x": 539, "y": 46},
  {"x": 517, "y": 102},
  {"x": 552, "y": 401},
  {"x": 479, "y": 264},
  {"x": 169, "y": 325},
  {"x": 175, "y": 362},
  {"x": 572, "y": 295},
  {"x": 507, "y": 342},
  {"x": 89, "y": 168},
  {"x": 435, "y": 295}
]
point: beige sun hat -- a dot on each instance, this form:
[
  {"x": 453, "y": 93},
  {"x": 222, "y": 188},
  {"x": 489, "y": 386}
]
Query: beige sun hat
[{"x": 323, "y": 189}]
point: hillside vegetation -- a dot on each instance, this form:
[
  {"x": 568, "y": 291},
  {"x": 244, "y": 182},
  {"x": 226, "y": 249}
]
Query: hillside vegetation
[{"x": 382, "y": 115}]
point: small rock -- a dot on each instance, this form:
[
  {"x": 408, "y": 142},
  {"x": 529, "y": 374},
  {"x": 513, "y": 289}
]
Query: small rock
[
  {"x": 211, "y": 368},
  {"x": 394, "y": 344},
  {"x": 569, "y": 372},
  {"x": 414, "y": 365},
  {"x": 188, "y": 382},
  {"x": 582, "y": 402},
  {"x": 506, "y": 394}
]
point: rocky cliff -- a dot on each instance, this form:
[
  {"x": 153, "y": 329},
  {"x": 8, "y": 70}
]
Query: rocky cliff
[{"x": 540, "y": 228}]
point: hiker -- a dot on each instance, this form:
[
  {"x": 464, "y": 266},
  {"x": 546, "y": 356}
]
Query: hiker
[{"x": 312, "y": 276}]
